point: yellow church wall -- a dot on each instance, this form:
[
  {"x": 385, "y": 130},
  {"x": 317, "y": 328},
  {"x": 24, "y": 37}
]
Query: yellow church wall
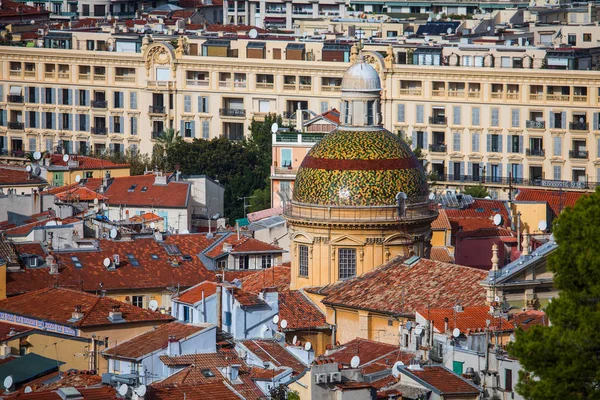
[
  {"x": 380, "y": 329},
  {"x": 316, "y": 299},
  {"x": 348, "y": 326},
  {"x": 438, "y": 238},
  {"x": 531, "y": 215}
]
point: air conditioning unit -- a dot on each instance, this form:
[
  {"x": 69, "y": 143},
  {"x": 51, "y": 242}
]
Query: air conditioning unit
[
  {"x": 320, "y": 378},
  {"x": 335, "y": 377}
]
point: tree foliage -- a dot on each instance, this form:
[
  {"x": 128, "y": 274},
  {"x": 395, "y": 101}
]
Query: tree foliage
[
  {"x": 477, "y": 191},
  {"x": 562, "y": 361}
]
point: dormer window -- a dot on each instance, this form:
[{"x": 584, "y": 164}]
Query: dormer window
[
  {"x": 132, "y": 188},
  {"x": 33, "y": 262}
]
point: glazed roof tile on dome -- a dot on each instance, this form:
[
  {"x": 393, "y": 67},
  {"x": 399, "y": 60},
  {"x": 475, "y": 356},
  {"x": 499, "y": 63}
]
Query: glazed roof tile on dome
[{"x": 360, "y": 168}]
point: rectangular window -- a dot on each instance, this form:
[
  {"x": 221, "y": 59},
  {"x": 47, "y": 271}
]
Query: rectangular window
[
  {"x": 83, "y": 97},
  {"x": 117, "y": 99},
  {"x": 456, "y": 114},
  {"x": 187, "y": 103},
  {"x": 508, "y": 386},
  {"x": 133, "y": 260},
  {"x": 587, "y": 37},
  {"x": 557, "y": 150},
  {"x": 202, "y": 104},
  {"x": 347, "y": 263},
  {"x": 117, "y": 124},
  {"x": 66, "y": 97},
  {"x": 187, "y": 129},
  {"x": 495, "y": 117},
  {"x": 515, "y": 144},
  {"x": 475, "y": 143},
  {"x": 205, "y": 129},
  {"x": 133, "y": 125},
  {"x": 286, "y": 158},
  {"x": 401, "y": 113},
  {"x": 137, "y": 301},
  {"x": 303, "y": 260},
  {"x": 420, "y": 114},
  {"x": 32, "y": 119},
  {"x": 475, "y": 116},
  {"x": 456, "y": 141},
  {"x": 48, "y": 96},
  {"x": 66, "y": 121},
  {"x": 516, "y": 118},
  {"x": 457, "y": 367},
  {"x": 133, "y": 100},
  {"x": 557, "y": 172},
  {"x": 186, "y": 314},
  {"x": 266, "y": 261}
]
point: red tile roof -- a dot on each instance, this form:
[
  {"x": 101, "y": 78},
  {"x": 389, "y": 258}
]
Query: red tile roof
[
  {"x": 17, "y": 176},
  {"x": 90, "y": 183},
  {"x": 243, "y": 245},
  {"x": 299, "y": 312},
  {"x": 529, "y": 318},
  {"x": 57, "y": 305},
  {"x": 23, "y": 230},
  {"x": 233, "y": 28},
  {"x": 84, "y": 162},
  {"x": 471, "y": 319},
  {"x": 206, "y": 391},
  {"x": 172, "y": 195},
  {"x": 444, "y": 380},
  {"x": 398, "y": 288},
  {"x": 99, "y": 393},
  {"x": 71, "y": 378},
  {"x": 9, "y": 330},
  {"x": 272, "y": 352},
  {"x": 485, "y": 233},
  {"x": 441, "y": 222},
  {"x": 481, "y": 213},
  {"x": 441, "y": 253},
  {"x": 154, "y": 340},
  {"x": 151, "y": 273},
  {"x": 195, "y": 293},
  {"x": 146, "y": 217},
  {"x": 247, "y": 299},
  {"x": 332, "y": 115},
  {"x": 278, "y": 277},
  {"x": 556, "y": 200},
  {"x": 80, "y": 193}
]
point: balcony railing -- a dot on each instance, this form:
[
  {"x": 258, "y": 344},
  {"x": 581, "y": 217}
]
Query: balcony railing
[
  {"x": 98, "y": 130},
  {"x": 579, "y": 126},
  {"x": 558, "y": 97},
  {"x": 547, "y": 183},
  {"x": 197, "y": 82},
  {"x": 16, "y": 125},
  {"x": 438, "y": 148},
  {"x": 535, "y": 152},
  {"x": 125, "y": 78},
  {"x": 156, "y": 109},
  {"x": 330, "y": 88},
  {"x": 532, "y": 124},
  {"x": 99, "y": 103},
  {"x": 85, "y": 77},
  {"x": 410, "y": 92},
  {"x": 456, "y": 93},
  {"x": 536, "y": 96},
  {"x": 438, "y": 120},
  {"x": 15, "y": 98},
  {"x": 580, "y": 154},
  {"x": 232, "y": 112},
  {"x": 579, "y": 98},
  {"x": 474, "y": 95},
  {"x": 265, "y": 85}
]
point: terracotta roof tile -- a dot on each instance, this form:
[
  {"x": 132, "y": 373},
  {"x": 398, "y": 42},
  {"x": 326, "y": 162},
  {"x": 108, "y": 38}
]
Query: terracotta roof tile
[
  {"x": 172, "y": 195},
  {"x": 278, "y": 277},
  {"x": 443, "y": 380},
  {"x": 207, "y": 391},
  {"x": 152, "y": 272},
  {"x": 471, "y": 319},
  {"x": 153, "y": 340},
  {"x": 441, "y": 253},
  {"x": 480, "y": 214},
  {"x": 80, "y": 193},
  {"x": 272, "y": 352},
  {"x": 441, "y": 222},
  {"x": 555, "y": 199},
  {"x": 247, "y": 299},
  {"x": 71, "y": 378},
  {"x": 85, "y": 162},
  {"x": 398, "y": 288},
  {"x": 17, "y": 176},
  {"x": 43, "y": 304},
  {"x": 485, "y": 233},
  {"x": 194, "y": 294},
  {"x": 299, "y": 312},
  {"x": 9, "y": 330},
  {"x": 529, "y": 318},
  {"x": 99, "y": 393},
  {"x": 243, "y": 245}
]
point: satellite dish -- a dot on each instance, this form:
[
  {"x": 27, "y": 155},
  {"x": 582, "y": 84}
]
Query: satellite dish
[
  {"x": 489, "y": 28},
  {"x": 449, "y": 31},
  {"x": 355, "y": 362},
  {"x": 396, "y": 369},
  {"x": 253, "y": 34},
  {"x": 28, "y": 389},
  {"x": 295, "y": 340},
  {"x": 487, "y": 198},
  {"x": 283, "y": 324},
  {"x": 113, "y": 233},
  {"x": 418, "y": 330},
  {"x": 96, "y": 201},
  {"x": 275, "y": 319},
  {"x": 408, "y": 325},
  {"x": 8, "y": 382},
  {"x": 153, "y": 305},
  {"x": 429, "y": 19},
  {"x": 37, "y": 155},
  {"x": 497, "y": 219},
  {"x": 66, "y": 158},
  {"x": 152, "y": 225},
  {"x": 542, "y": 225},
  {"x": 78, "y": 178},
  {"x": 456, "y": 332},
  {"x": 106, "y": 262},
  {"x": 37, "y": 171},
  {"x": 274, "y": 127},
  {"x": 141, "y": 391},
  {"x": 28, "y": 168},
  {"x": 123, "y": 389},
  {"x": 497, "y": 299},
  {"x": 308, "y": 346}
]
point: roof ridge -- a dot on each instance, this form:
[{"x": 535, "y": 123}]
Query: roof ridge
[{"x": 87, "y": 314}]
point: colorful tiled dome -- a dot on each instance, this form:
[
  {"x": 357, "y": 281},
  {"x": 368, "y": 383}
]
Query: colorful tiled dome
[{"x": 360, "y": 168}]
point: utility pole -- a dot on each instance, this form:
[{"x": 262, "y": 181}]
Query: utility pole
[{"x": 246, "y": 205}]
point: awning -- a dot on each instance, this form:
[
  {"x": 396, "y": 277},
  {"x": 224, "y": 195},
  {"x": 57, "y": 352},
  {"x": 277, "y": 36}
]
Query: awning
[
  {"x": 438, "y": 107},
  {"x": 437, "y": 161},
  {"x": 16, "y": 90},
  {"x": 217, "y": 43},
  {"x": 242, "y": 222},
  {"x": 256, "y": 45},
  {"x": 295, "y": 46},
  {"x": 274, "y": 20}
]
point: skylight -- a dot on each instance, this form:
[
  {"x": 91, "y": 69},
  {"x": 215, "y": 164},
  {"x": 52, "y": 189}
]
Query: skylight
[
  {"x": 132, "y": 188},
  {"x": 172, "y": 249},
  {"x": 76, "y": 262},
  {"x": 144, "y": 189},
  {"x": 154, "y": 257},
  {"x": 132, "y": 260},
  {"x": 208, "y": 373}
]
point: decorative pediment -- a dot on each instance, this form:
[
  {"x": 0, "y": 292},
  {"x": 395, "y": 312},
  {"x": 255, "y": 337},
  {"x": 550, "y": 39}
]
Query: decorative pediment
[
  {"x": 346, "y": 240},
  {"x": 302, "y": 237},
  {"x": 398, "y": 239},
  {"x": 159, "y": 54}
]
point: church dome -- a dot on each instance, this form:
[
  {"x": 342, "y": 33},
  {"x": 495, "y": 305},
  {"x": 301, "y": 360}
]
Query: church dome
[
  {"x": 360, "y": 168},
  {"x": 361, "y": 77}
]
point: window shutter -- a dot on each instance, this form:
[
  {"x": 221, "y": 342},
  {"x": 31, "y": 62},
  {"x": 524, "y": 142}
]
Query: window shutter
[
  {"x": 564, "y": 120},
  {"x": 489, "y": 143},
  {"x": 456, "y": 144},
  {"x": 598, "y": 150},
  {"x": 462, "y": 170},
  {"x": 70, "y": 118},
  {"x": 516, "y": 118},
  {"x": 414, "y": 140},
  {"x": 425, "y": 142},
  {"x": 475, "y": 142},
  {"x": 36, "y": 95},
  {"x": 521, "y": 147},
  {"x": 595, "y": 127},
  {"x": 87, "y": 98},
  {"x": 495, "y": 117},
  {"x": 87, "y": 122},
  {"x": 27, "y": 119},
  {"x": 187, "y": 103},
  {"x": 324, "y": 107},
  {"x": 37, "y": 119},
  {"x": 557, "y": 171},
  {"x": 182, "y": 128},
  {"x": 488, "y": 171},
  {"x": 52, "y": 96},
  {"x": 32, "y": 144},
  {"x": 199, "y": 104},
  {"x": 509, "y": 144},
  {"x": 60, "y": 122},
  {"x": 1, "y": 93},
  {"x": 420, "y": 114},
  {"x": 475, "y": 116},
  {"x": 499, "y": 142},
  {"x": 205, "y": 129},
  {"x": 133, "y": 100},
  {"x": 122, "y": 122},
  {"x": 401, "y": 113},
  {"x": 77, "y": 118},
  {"x": 597, "y": 175},
  {"x": 70, "y": 97},
  {"x": 3, "y": 118},
  {"x": 556, "y": 145},
  {"x": 205, "y": 104},
  {"x": 193, "y": 127},
  {"x": 53, "y": 120},
  {"x": 60, "y": 96},
  {"x": 456, "y": 115},
  {"x": 134, "y": 125},
  {"x": 470, "y": 168},
  {"x": 121, "y": 100},
  {"x": 551, "y": 124},
  {"x": 111, "y": 123},
  {"x": 520, "y": 171}
]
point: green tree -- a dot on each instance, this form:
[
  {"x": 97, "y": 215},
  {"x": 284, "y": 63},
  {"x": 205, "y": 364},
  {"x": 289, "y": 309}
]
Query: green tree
[
  {"x": 477, "y": 191},
  {"x": 562, "y": 361}
]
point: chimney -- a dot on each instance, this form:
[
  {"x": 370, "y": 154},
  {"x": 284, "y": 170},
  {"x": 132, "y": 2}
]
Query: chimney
[
  {"x": 173, "y": 347},
  {"x": 77, "y": 314},
  {"x": 446, "y": 324},
  {"x": 219, "y": 307},
  {"x": 525, "y": 244},
  {"x": 116, "y": 315},
  {"x": 494, "y": 257},
  {"x": 51, "y": 262}
]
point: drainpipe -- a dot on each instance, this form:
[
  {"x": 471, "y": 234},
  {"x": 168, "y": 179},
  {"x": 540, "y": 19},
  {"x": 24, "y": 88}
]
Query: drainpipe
[
  {"x": 203, "y": 308},
  {"x": 219, "y": 307},
  {"x": 334, "y": 327}
]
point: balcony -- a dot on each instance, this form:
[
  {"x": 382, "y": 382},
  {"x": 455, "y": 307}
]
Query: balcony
[
  {"x": 330, "y": 88},
  {"x": 438, "y": 148},
  {"x": 410, "y": 92},
  {"x": 265, "y": 85},
  {"x": 579, "y": 126},
  {"x": 558, "y": 97},
  {"x": 284, "y": 171},
  {"x": 474, "y": 95},
  {"x": 16, "y": 126},
  {"x": 85, "y": 77},
  {"x": 156, "y": 109},
  {"x": 99, "y": 103},
  {"x": 536, "y": 96},
  {"x": 438, "y": 93},
  {"x": 125, "y": 78},
  {"x": 232, "y": 112},
  {"x": 15, "y": 73},
  {"x": 578, "y": 154},
  {"x": 579, "y": 99},
  {"x": 497, "y": 95},
  {"x": 69, "y": 14},
  {"x": 535, "y": 152},
  {"x": 98, "y": 130},
  {"x": 29, "y": 74},
  {"x": 438, "y": 120},
  {"x": 15, "y": 98},
  {"x": 512, "y": 96},
  {"x": 99, "y": 78},
  {"x": 532, "y": 124},
  {"x": 456, "y": 93},
  {"x": 49, "y": 75},
  {"x": 161, "y": 85},
  {"x": 197, "y": 82}
]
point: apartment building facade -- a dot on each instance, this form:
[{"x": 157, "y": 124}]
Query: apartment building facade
[{"x": 477, "y": 121}]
